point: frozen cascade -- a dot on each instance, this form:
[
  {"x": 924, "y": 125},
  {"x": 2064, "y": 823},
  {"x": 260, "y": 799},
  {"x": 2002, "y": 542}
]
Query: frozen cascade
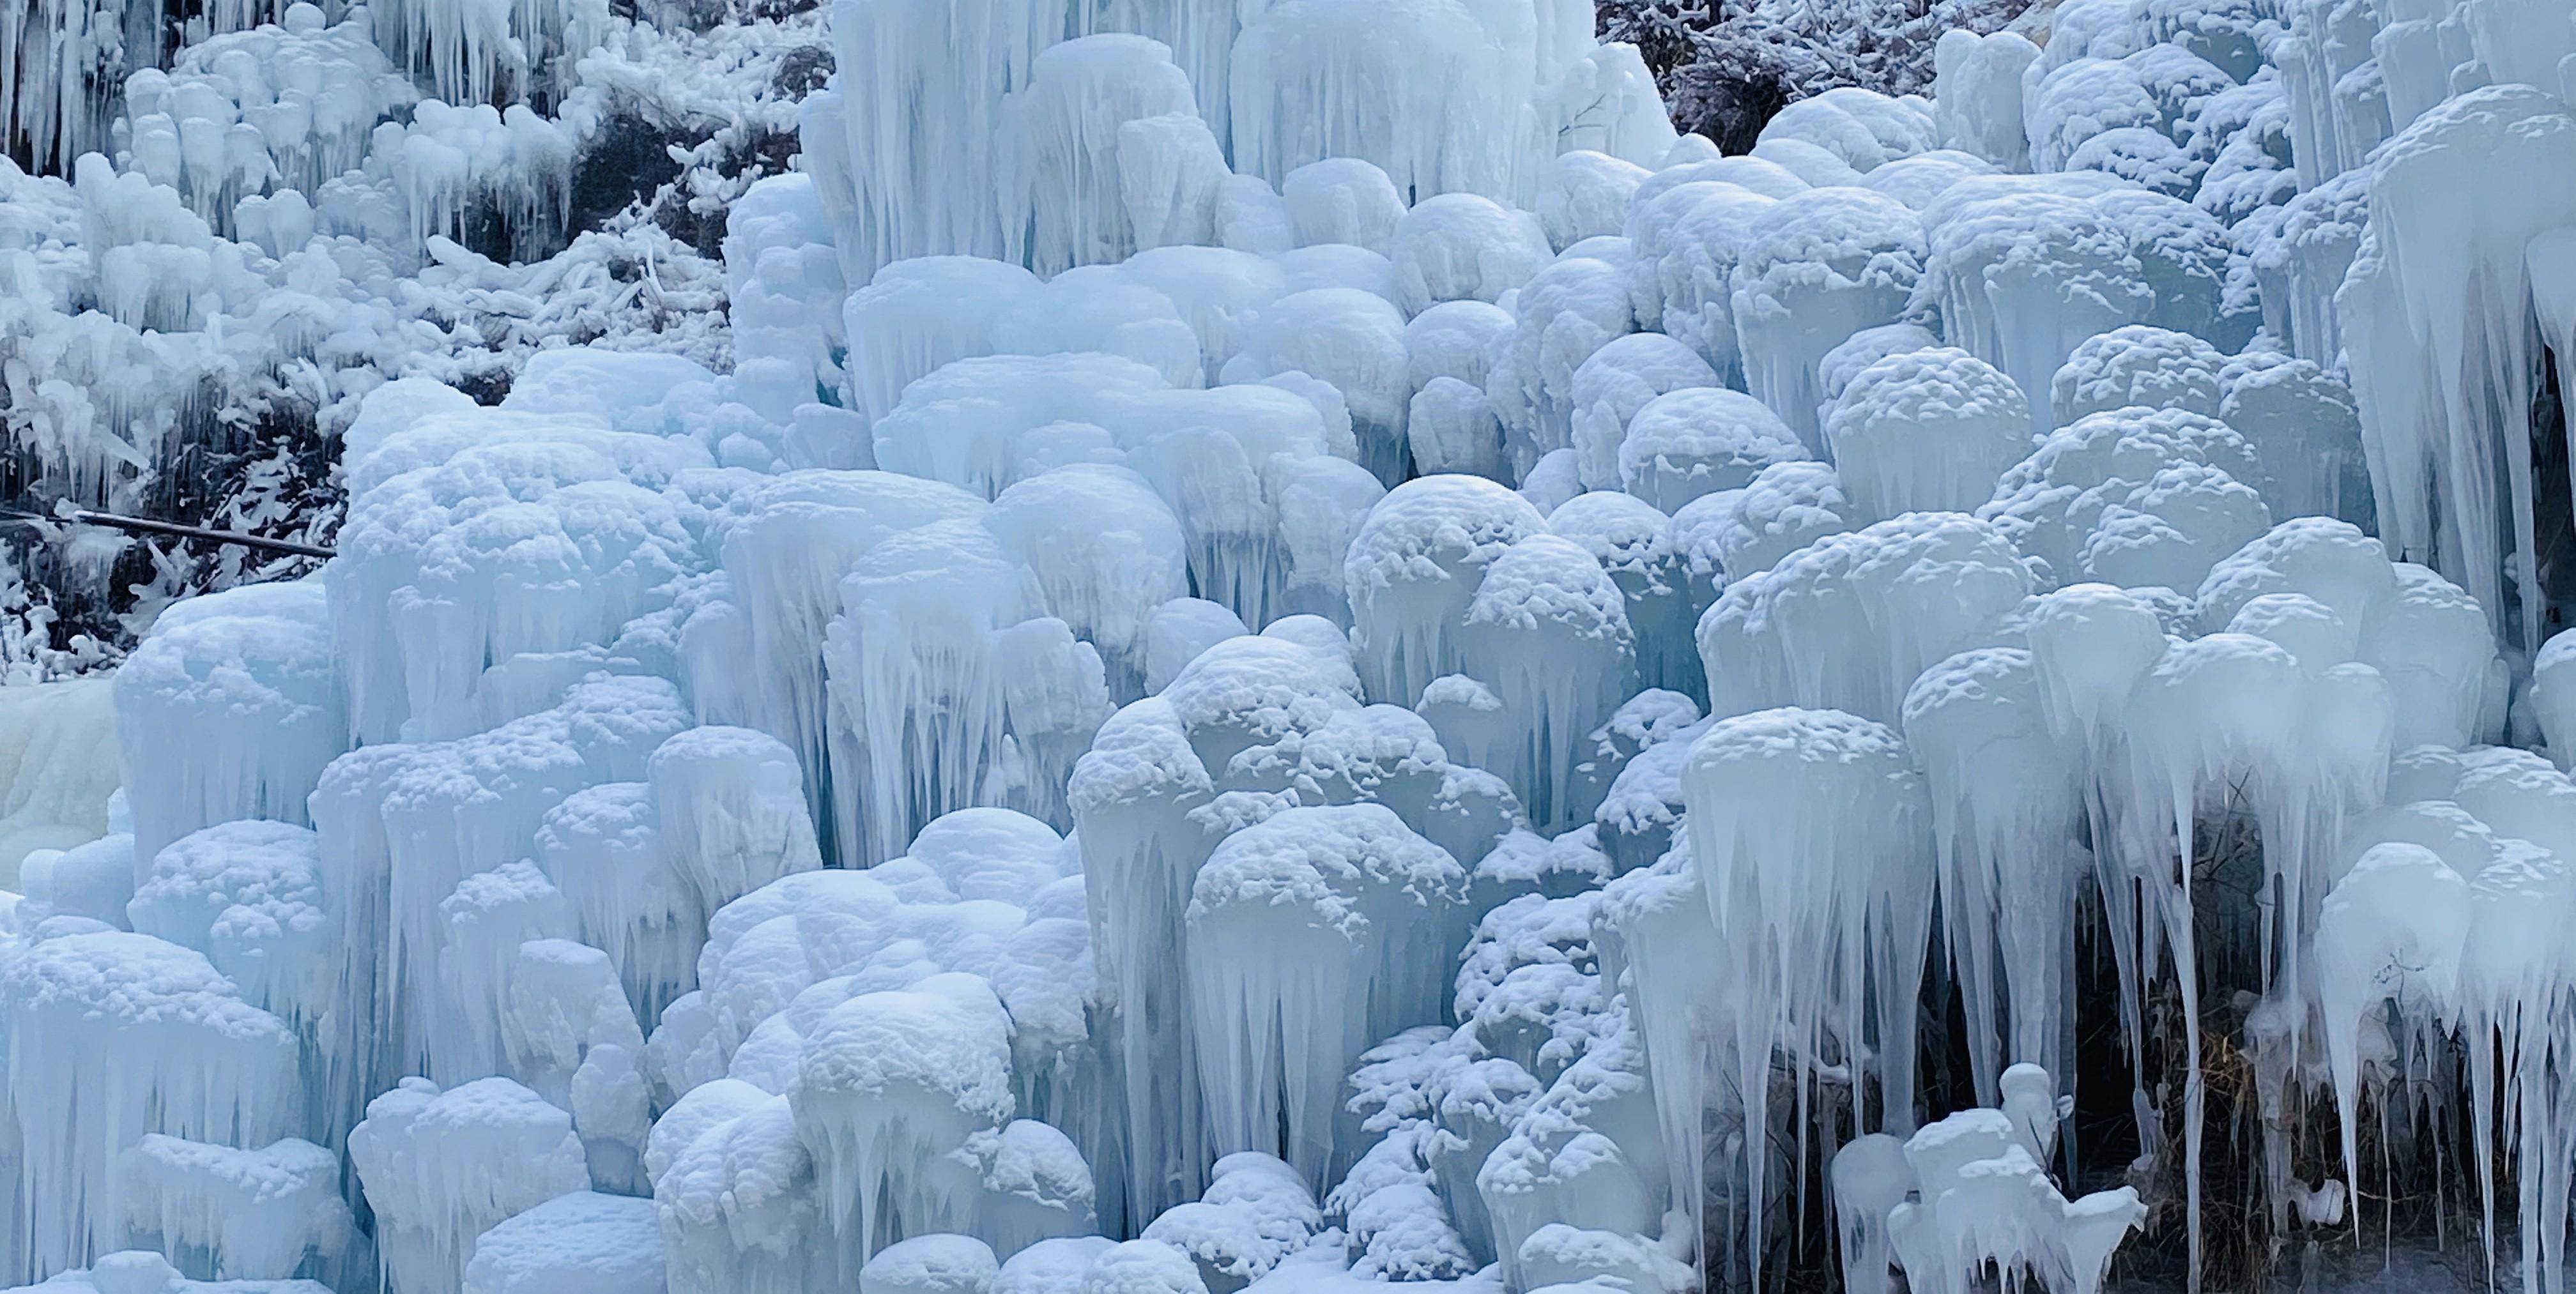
[{"x": 1267, "y": 645}]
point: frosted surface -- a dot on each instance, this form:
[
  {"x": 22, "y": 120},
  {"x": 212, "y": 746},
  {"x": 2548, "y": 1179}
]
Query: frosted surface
[{"x": 1282, "y": 646}]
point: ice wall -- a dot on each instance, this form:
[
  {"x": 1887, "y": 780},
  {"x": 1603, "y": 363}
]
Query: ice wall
[{"x": 1298, "y": 649}]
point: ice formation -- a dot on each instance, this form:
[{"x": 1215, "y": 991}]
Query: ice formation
[{"x": 1283, "y": 645}]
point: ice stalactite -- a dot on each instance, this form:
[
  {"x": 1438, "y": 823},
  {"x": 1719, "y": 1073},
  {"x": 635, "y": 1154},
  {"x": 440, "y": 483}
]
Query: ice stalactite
[
  {"x": 1810, "y": 832},
  {"x": 2438, "y": 312},
  {"x": 2007, "y": 844},
  {"x": 1549, "y": 629}
]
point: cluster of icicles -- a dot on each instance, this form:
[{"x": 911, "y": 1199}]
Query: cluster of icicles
[{"x": 1293, "y": 694}]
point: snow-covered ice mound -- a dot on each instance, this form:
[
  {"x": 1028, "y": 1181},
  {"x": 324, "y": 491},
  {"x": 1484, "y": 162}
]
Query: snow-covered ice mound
[{"x": 1285, "y": 646}]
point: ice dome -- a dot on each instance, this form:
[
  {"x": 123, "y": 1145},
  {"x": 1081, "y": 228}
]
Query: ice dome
[{"x": 1006, "y": 647}]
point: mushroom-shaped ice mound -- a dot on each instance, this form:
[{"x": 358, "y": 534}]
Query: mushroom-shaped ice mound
[
  {"x": 1548, "y": 630},
  {"x": 2050, "y": 502},
  {"x": 2023, "y": 269},
  {"x": 1351, "y": 339},
  {"x": 1311, "y": 935},
  {"x": 1785, "y": 507},
  {"x": 2302, "y": 422},
  {"x": 1413, "y": 568},
  {"x": 269, "y": 1212},
  {"x": 736, "y": 1191},
  {"x": 248, "y": 895},
  {"x": 1977, "y": 98},
  {"x": 2157, "y": 368},
  {"x": 1586, "y": 195},
  {"x": 918, "y": 315},
  {"x": 1637, "y": 545},
  {"x": 1248, "y": 699},
  {"x": 1929, "y": 583},
  {"x": 1342, "y": 200},
  {"x": 963, "y": 423},
  {"x": 1811, "y": 834},
  {"x": 2008, "y": 807},
  {"x": 1917, "y": 180},
  {"x": 1142, "y": 1267},
  {"x": 1106, "y": 551},
  {"x": 939, "y": 1263},
  {"x": 1980, "y": 1200},
  {"x": 889, "y": 1086},
  {"x": 733, "y": 815},
  {"x": 2393, "y": 929},
  {"x": 1685, "y": 242},
  {"x": 2328, "y": 560},
  {"x": 2168, "y": 531},
  {"x": 1036, "y": 1186},
  {"x": 2430, "y": 640},
  {"x": 196, "y": 1062},
  {"x": 1567, "y": 311},
  {"x": 1059, "y": 143},
  {"x": 1863, "y": 127},
  {"x": 1256, "y": 1212},
  {"x": 1463, "y": 247},
  {"x": 1612, "y": 385},
  {"x": 990, "y": 853},
  {"x": 1926, "y": 431},
  {"x": 440, "y": 1168},
  {"x": 1700, "y": 440},
  {"x": 247, "y": 672},
  {"x": 2553, "y": 696},
  {"x": 1816, "y": 268},
  {"x": 611, "y": 1244}
]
